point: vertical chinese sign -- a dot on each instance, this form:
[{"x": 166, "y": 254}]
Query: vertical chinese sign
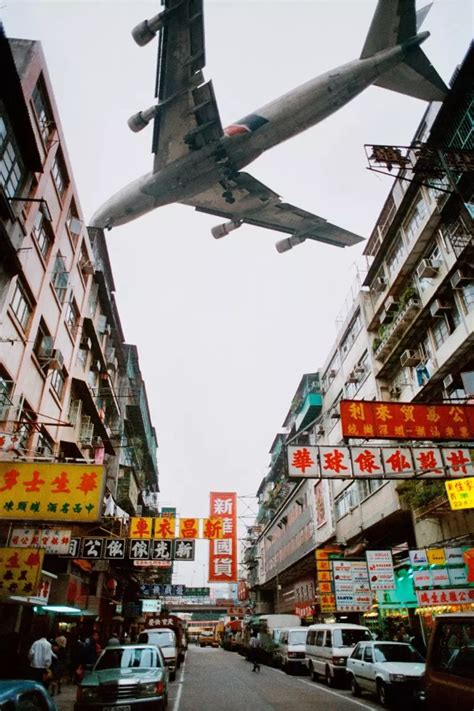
[
  {"x": 223, "y": 551},
  {"x": 20, "y": 570}
]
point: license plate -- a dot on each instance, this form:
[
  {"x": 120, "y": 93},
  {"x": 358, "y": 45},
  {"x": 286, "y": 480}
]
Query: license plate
[{"x": 116, "y": 708}]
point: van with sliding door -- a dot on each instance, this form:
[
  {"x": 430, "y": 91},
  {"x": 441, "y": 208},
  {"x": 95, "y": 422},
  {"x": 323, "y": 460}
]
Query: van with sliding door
[{"x": 327, "y": 648}]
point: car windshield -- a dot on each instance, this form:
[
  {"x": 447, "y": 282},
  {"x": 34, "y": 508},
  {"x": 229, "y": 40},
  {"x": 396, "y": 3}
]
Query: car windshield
[
  {"x": 350, "y": 637},
  {"x": 297, "y": 637},
  {"x": 207, "y": 634},
  {"x": 128, "y": 658},
  {"x": 396, "y": 653}
]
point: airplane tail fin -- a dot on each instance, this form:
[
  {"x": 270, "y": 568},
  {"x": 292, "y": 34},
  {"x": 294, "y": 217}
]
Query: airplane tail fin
[{"x": 396, "y": 22}]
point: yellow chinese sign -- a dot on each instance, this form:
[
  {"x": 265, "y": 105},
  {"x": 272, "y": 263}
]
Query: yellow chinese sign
[
  {"x": 436, "y": 556},
  {"x": 328, "y": 603},
  {"x": 189, "y": 528},
  {"x": 51, "y": 492},
  {"x": 213, "y": 528},
  {"x": 461, "y": 493},
  {"x": 165, "y": 527},
  {"x": 20, "y": 570},
  {"x": 140, "y": 527}
]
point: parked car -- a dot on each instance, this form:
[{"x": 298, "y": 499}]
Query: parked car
[
  {"x": 328, "y": 646},
  {"x": 290, "y": 652},
  {"x": 165, "y": 639},
  {"x": 22, "y": 695},
  {"x": 208, "y": 639},
  {"x": 449, "y": 674},
  {"x": 392, "y": 670},
  {"x": 131, "y": 678}
]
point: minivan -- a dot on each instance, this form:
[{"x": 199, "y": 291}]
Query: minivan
[
  {"x": 449, "y": 670},
  {"x": 165, "y": 639},
  {"x": 329, "y": 645},
  {"x": 290, "y": 651}
]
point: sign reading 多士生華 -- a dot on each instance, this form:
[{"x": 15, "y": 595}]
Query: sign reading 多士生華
[{"x": 39, "y": 491}]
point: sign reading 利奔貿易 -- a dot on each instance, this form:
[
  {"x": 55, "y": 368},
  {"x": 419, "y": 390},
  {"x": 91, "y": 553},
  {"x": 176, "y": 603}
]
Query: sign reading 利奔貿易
[
  {"x": 394, "y": 420},
  {"x": 223, "y": 551},
  {"x": 20, "y": 570},
  {"x": 41, "y": 491}
]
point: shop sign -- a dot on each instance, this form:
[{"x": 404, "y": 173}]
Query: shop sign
[
  {"x": 380, "y": 565},
  {"x": 189, "y": 528},
  {"x": 162, "y": 550},
  {"x": 458, "y": 576},
  {"x": 325, "y": 462},
  {"x": 436, "y": 556},
  {"x": 197, "y": 592},
  {"x": 140, "y": 527},
  {"x": 162, "y": 590},
  {"x": 351, "y": 586},
  {"x": 223, "y": 552},
  {"x": 327, "y": 603},
  {"x": 461, "y": 493},
  {"x": 165, "y": 527},
  {"x": 115, "y": 548},
  {"x": 8, "y": 441},
  {"x": 145, "y": 563},
  {"x": 422, "y": 579},
  {"x": 448, "y": 596},
  {"x": 20, "y": 570},
  {"x": 418, "y": 557},
  {"x": 454, "y": 556},
  {"x": 151, "y": 605},
  {"x": 55, "y": 541},
  {"x": 183, "y": 550},
  {"x": 390, "y": 420},
  {"x": 440, "y": 577},
  {"x": 39, "y": 491}
]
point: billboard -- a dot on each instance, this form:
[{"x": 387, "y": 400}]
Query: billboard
[{"x": 223, "y": 551}]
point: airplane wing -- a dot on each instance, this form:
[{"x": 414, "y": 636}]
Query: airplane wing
[
  {"x": 255, "y": 204},
  {"x": 187, "y": 117}
]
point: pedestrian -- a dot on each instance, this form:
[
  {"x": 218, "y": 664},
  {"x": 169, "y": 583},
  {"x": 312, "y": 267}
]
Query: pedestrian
[
  {"x": 114, "y": 640},
  {"x": 91, "y": 650},
  {"x": 40, "y": 657},
  {"x": 254, "y": 656}
]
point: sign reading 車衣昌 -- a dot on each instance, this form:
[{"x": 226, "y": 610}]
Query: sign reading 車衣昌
[
  {"x": 20, "y": 570},
  {"x": 334, "y": 462},
  {"x": 41, "y": 491},
  {"x": 394, "y": 420}
]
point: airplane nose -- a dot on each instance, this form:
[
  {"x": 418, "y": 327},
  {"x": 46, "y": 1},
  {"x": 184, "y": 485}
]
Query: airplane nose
[{"x": 102, "y": 218}]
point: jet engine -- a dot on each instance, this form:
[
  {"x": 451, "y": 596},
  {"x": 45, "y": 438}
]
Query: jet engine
[
  {"x": 284, "y": 245},
  {"x": 146, "y": 30},
  {"x": 222, "y": 230},
  {"x": 140, "y": 120}
]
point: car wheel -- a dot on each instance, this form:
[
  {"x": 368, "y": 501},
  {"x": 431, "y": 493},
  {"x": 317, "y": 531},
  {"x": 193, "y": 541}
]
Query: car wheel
[
  {"x": 382, "y": 693},
  {"x": 329, "y": 678},
  {"x": 355, "y": 688},
  {"x": 312, "y": 673}
]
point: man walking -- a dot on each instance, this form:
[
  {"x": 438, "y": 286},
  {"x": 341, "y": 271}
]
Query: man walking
[
  {"x": 40, "y": 657},
  {"x": 254, "y": 647}
]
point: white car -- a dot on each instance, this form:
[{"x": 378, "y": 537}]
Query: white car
[{"x": 389, "y": 669}]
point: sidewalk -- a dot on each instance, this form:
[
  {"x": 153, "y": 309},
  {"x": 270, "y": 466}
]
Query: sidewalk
[{"x": 65, "y": 700}]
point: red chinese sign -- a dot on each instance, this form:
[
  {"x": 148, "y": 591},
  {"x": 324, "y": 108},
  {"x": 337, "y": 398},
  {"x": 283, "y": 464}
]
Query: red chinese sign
[
  {"x": 51, "y": 492},
  {"x": 447, "y": 596},
  {"x": 20, "y": 570},
  {"x": 223, "y": 551},
  {"x": 394, "y": 420}
]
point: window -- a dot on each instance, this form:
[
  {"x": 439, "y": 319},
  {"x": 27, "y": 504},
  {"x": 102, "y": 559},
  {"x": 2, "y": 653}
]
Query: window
[
  {"x": 396, "y": 255},
  {"x": 71, "y": 317},
  {"x": 320, "y": 638},
  {"x": 74, "y": 224},
  {"x": 11, "y": 166},
  {"x": 432, "y": 255},
  {"x": 368, "y": 656},
  {"x": 43, "y": 111},
  {"x": 351, "y": 334},
  {"x": 346, "y": 501},
  {"x": 368, "y": 486},
  {"x": 42, "y": 234},
  {"x": 21, "y": 306},
  {"x": 443, "y": 326},
  {"x": 45, "y": 445},
  {"x": 58, "y": 380},
  {"x": 415, "y": 218},
  {"x": 26, "y": 426},
  {"x": 60, "y": 277},
  {"x": 58, "y": 173},
  {"x": 328, "y": 642},
  {"x": 467, "y": 296},
  {"x": 6, "y": 389}
]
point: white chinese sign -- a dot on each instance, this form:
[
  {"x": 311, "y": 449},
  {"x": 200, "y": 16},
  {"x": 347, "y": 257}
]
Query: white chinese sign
[{"x": 380, "y": 565}]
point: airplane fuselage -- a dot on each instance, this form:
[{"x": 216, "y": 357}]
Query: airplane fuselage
[{"x": 276, "y": 122}]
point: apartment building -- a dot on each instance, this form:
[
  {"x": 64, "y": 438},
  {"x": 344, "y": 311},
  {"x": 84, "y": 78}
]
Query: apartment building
[
  {"x": 406, "y": 334},
  {"x": 71, "y": 390}
]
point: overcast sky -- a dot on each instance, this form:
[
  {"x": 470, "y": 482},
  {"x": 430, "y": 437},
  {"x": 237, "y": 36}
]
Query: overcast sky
[{"x": 226, "y": 329}]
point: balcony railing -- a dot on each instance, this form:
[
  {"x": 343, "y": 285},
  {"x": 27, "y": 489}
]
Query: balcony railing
[{"x": 397, "y": 328}]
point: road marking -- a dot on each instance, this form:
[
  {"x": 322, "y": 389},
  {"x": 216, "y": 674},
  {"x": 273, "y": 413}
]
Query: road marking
[
  {"x": 340, "y": 696},
  {"x": 180, "y": 689}
]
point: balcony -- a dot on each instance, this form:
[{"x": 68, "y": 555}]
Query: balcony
[
  {"x": 310, "y": 410},
  {"x": 400, "y": 324}
]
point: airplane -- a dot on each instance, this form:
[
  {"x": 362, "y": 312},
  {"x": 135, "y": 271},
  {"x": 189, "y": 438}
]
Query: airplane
[{"x": 198, "y": 163}]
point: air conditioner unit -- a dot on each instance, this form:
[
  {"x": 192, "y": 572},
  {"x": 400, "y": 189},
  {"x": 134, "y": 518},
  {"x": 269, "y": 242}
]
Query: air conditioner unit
[
  {"x": 57, "y": 360},
  {"x": 320, "y": 431},
  {"x": 448, "y": 380},
  {"x": 439, "y": 308},
  {"x": 353, "y": 377},
  {"x": 408, "y": 359},
  {"x": 380, "y": 283},
  {"x": 139, "y": 509},
  {"x": 85, "y": 343},
  {"x": 332, "y": 373},
  {"x": 428, "y": 268},
  {"x": 459, "y": 279},
  {"x": 386, "y": 317},
  {"x": 46, "y": 347},
  {"x": 395, "y": 391},
  {"x": 334, "y": 414},
  {"x": 359, "y": 369}
]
